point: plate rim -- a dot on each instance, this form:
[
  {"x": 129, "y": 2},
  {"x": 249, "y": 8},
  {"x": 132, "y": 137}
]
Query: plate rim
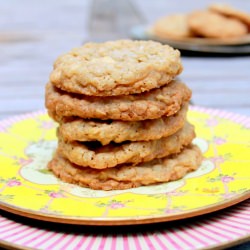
[
  {"x": 13, "y": 246},
  {"x": 135, "y": 220},
  {"x": 231, "y": 47},
  {"x": 228, "y": 243},
  {"x": 203, "y": 41},
  {"x": 117, "y": 221}
]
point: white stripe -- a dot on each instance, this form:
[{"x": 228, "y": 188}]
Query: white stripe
[
  {"x": 48, "y": 242},
  {"x": 74, "y": 243},
  {"x": 119, "y": 241},
  {"x": 152, "y": 239},
  {"x": 16, "y": 236},
  {"x": 247, "y": 123},
  {"x": 218, "y": 230},
  {"x": 225, "y": 115},
  {"x": 185, "y": 234},
  {"x": 239, "y": 220},
  {"x": 237, "y": 224},
  {"x": 243, "y": 209},
  {"x": 230, "y": 228},
  {"x": 6, "y": 224},
  {"x": 209, "y": 233},
  {"x": 240, "y": 119},
  {"x": 234, "y": 116},
  {"x": 242, "y": 213},
  {"x": 63, "y": 241},
  {"x": 38, "y": 239},
  {"x": 85, "y": 243},
  {"x": 166, "y": 241},
  {"x": 246, "y": 208},
  {"x": 142, "y": 242},
  {"x": 216, "y": 112},
  {"x": 195, "y": 231},
  {"x": 178, "y": 241},
  {"x": 108, "y": 242},
  {"x": 11, "y": 230},
  {"x": 96, "y": 243},
  {"x": 131, "y": 242}
]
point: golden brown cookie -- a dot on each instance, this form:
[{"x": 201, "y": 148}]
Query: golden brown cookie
[
  {"x": 149, "y": 105},
  {"x": 94, "y": 155},
  {"x": 116, "y": 68},
  {"x": 119, "y": 131},
  {"x": 229, "y": 11},
  {"x": 128, "y": 176},
  {"x": 212, "y": 25},
  {"x": 173, "y": 26}
]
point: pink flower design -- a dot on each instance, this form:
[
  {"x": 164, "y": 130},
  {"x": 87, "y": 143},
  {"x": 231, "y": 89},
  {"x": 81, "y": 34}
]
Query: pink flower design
[
  {"x": 13, "y": 183},
  {"x": 219, "y": 140},
  {"x": 24, "y": 162},
  {"x": 212, "y": 122},
  {"x": 219, "y": 159},
  {"x": 44, "y": 210},
  {"x": 117, "y": 205},
  {"x": 227, "y": 179},
  {"x": 228, "y": 196},
  {"x": 56, "y": 195},
  {"x": 174, "y": 210}
]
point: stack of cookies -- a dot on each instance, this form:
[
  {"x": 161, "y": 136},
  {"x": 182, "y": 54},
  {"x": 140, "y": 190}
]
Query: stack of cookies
[{"x": 122, "y": 116}]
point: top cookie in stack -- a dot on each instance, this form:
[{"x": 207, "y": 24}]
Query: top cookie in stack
[
  {"x": 116, "y": 68},
  {"x": 121, "y": 114}
]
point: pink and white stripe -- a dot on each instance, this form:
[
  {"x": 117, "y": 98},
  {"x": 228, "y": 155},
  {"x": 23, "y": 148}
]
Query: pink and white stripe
[
  {"x": 14, "y": 119},
  {"x": 212, "y": 230},
  {"x": 237, "y": 118}
]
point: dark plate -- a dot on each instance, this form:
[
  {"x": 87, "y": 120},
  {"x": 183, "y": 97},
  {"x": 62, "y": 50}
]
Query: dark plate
[{"x": 204, "y": 45}]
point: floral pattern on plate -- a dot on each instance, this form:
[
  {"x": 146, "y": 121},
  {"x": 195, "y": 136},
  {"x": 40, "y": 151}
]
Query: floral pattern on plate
[{"x": 28, "y": 143}]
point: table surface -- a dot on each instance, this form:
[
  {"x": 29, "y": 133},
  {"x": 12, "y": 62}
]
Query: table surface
[{"x": 34, "y": 33}]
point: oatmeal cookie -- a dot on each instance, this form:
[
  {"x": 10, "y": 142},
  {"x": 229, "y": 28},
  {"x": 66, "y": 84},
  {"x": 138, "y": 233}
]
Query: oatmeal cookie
[
  {"x": 116, "y": 68},
  {"x": 229, "y": 11},
  {"x": 94, "y": 155},
  {"x": 119, "y": 131},
  {"x": 148, "y": 105},
  {"x": 212, "y": 25},
  {"x": 173, "y": 26},
  {"x": 127, "y": 176}
]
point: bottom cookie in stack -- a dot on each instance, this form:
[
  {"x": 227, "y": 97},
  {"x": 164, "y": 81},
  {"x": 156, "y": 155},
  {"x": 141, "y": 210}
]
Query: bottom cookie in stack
[{"x": 126, "y": 176}]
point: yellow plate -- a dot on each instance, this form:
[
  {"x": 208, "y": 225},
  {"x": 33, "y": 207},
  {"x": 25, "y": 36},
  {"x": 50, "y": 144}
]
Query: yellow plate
[{"x": 29, "y": 189}]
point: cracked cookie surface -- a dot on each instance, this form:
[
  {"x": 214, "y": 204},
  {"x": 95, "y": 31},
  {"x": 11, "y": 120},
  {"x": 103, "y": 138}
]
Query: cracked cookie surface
[
  {"x": 94, "y": 155},
  {"x": 116, "y": 68},
  {"x": 119, "y": 131},
  {"x": 127, "y": 176},
  {"x": 166, "y": 100}
]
